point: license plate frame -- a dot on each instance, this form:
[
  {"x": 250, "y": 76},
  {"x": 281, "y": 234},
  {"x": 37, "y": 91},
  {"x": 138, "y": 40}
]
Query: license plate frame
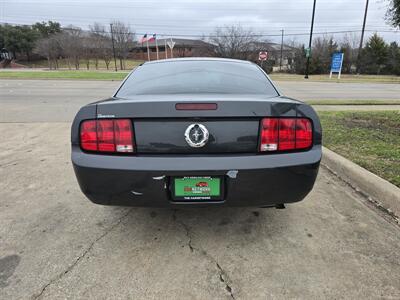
[{"x": 216, "y": 185}]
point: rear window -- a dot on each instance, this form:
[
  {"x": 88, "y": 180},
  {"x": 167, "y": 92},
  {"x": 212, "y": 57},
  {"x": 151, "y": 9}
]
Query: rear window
[{"x": 197, "y": 77}]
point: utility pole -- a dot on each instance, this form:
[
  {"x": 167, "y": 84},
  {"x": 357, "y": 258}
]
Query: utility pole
[
  {"x": 310, "y": 42},
  {"x": 280, "y": 61},
  {"x": 362, "y": 37},
  {"x": 113, "y": 47}
]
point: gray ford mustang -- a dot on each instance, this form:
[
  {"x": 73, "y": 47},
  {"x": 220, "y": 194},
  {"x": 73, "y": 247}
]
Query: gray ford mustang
[{"x": 195, "y": 132}]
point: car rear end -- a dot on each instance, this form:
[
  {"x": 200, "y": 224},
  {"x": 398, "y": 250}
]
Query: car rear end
[{"x": 261, "y": 150}]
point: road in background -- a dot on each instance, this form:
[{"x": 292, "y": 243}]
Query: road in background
[
  {"x": 49, "y": 100},
  {"x": 59, "y": 100},
  {"x": 308, "y": 90}
]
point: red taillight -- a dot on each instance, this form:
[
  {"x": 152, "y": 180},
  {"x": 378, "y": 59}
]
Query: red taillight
[
  {"x": 269, "y": 135},
  {"x": 282, "y": 134},
  {"x": 303, "y": 134},
  {"x": 89, "y": 135},
  {"x": 287, "y": 135},
  {"x": 107, "y": 135}
]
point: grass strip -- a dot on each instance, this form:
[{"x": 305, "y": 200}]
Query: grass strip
[
  {"x": 80, "y": 75},
  {"x": 371, "y": 139},
  {"x": 355, "y": 102}
]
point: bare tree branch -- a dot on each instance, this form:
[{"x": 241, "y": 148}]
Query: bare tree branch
[{"x": 123, "y": 37}]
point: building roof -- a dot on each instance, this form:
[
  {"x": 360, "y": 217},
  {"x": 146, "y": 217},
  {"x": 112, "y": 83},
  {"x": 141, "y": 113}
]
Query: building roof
[
  {"x": 178, "y": 43},
  {"x": 268, "y": 46},
  {"x": 256, "y": 46},
  {"x": 231, "y": 60}
]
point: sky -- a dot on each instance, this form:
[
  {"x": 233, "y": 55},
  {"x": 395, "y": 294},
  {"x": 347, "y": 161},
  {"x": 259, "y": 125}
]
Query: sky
[{"x": 192, "y": 19}]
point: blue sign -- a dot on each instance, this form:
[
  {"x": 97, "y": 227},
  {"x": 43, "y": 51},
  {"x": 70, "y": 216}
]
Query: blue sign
[{"x": 337, "y": 61}]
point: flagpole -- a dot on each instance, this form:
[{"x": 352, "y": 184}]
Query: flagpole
[
  {"x": 148, "y": 52},
  {"x": 172, "y": 54},
  {"x": 155, "y": 39},
  {"x": 166, "y": 49}
]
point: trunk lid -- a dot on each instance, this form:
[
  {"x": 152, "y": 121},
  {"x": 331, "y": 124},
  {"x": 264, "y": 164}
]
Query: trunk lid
[{"x": 160, "y": 128}]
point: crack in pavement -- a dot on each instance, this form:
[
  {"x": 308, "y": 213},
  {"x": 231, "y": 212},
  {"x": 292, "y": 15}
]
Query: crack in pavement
[
  {"x": 72, "y": 266},
  {"x": 223, "y": 276},
  {"x": 187, "y": 231}
]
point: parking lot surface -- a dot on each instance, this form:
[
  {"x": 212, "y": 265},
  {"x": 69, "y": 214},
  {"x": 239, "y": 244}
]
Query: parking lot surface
[{"x": 55, "y": 244}]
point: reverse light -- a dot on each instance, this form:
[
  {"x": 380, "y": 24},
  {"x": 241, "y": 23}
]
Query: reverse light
[
  {"x": 107, "y": 135},
  {"x": 282, "y": 134}
]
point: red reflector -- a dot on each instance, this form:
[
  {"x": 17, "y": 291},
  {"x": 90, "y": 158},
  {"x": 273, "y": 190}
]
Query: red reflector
[
  {"x": 89, "y": 136},
  {"x": 287, "y": 134},
  {"x": 107, "y": 135},
  {"x": 196, "y": 106},
  {"x": 282, "y": 134},
  {"x": 303, "y": 133},
  {"x": 269, "y": 135}
]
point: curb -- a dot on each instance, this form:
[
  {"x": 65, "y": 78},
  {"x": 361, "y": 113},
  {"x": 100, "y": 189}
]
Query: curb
[{"x": 381, "y": 192}]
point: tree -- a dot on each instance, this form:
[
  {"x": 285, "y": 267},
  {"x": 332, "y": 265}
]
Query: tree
[
  {"x": 300, "y": 60},
  {"x": 393, "y": 13},
  {"x": 233, "y": 42},
  {"x": 47, "y": 29},
  {"x": 106, "y": 53},
  {"x": 374, "y": 55},
  {"x": 28, "y": 38},
  {"x": 49, "y": 47},
  {"x": 2, "y": 35},
  {"x": 101, "y": 44},
  {"x": 349, "y": 46},
  {"x": 322, "y": 51},
  {"x": 393, "y": 59},
  {"x": 18, "y": 39},
  {"x": 70, "y": 41},
  {"x": 123, "y": 37},
  {"x": 87, "y": 50}
]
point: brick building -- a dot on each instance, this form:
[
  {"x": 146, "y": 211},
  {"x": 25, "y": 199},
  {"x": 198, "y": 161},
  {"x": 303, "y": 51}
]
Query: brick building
[{"x": 182, "y": 48}]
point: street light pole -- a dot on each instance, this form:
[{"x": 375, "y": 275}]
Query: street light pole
[
  {"x": 280, "y": 61},
  {"x": 113, "y": 47},
  {"x": 310, "y": 42},
  {"x": 362, "y": 37}
]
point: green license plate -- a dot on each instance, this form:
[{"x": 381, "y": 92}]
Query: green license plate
[{"x": 197, "y": 188}]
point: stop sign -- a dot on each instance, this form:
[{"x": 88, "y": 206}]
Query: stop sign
[{"x": 263, "y": 55}]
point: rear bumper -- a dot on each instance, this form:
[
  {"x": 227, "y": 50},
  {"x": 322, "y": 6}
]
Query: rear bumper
[{"x": 256, "y": 180}]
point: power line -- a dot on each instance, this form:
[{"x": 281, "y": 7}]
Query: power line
[
  {"x": 181, "y": 22},
  {"x": 164, "y": 34},
  {"x": 191, "y": 28},
  {"x": 140, "y": 3}
]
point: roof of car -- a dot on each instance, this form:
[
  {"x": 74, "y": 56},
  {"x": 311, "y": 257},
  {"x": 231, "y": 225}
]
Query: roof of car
[{"x": 169, "y": 60}]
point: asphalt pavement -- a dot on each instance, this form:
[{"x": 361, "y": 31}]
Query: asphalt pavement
[
  {"x": 309, "y": 90},
  {"x": 54, "y": 243},
  {"x": 59, "y": 100}
]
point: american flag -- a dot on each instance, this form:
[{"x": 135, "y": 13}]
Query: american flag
[{"x": 147, "y": 39}]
